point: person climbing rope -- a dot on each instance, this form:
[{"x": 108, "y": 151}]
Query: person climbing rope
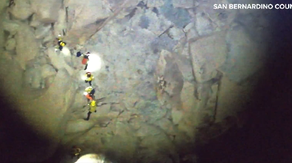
[
  {"x": 89, "y": 78},
  {"x": 61, "y": 43},
  {"x": 75, "y": 152},
  {"x": 90, "y": 90},
  {"x": 89, "y": 93},
  {"x": 92, "y": 108},
  {"x": 88, "y": 96},
  {"x": 85, "y": 58}
]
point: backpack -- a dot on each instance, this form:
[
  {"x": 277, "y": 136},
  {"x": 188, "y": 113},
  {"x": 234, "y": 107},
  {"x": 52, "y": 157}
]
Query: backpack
[
  {"x": 78, "y": 54},
  {"x": 92, "y": 91},
  {"x": 84, "y": 61}
]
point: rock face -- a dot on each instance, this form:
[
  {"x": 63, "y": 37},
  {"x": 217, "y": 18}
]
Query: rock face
[
  {"x": 208, "y": 54},
  {"x": 58, "y": 61},
  {"x": 26, "y": 45},
  {"x": 208, "y": 60},
  {"x": 10, "y": 44},
  {"x": 46, "y": 11},
  {"x": 22, "y": 9},
  {"x": 54, "y": 104},
  {"x": 83, "y": 21},
  {"x": 245, "y": 56}
]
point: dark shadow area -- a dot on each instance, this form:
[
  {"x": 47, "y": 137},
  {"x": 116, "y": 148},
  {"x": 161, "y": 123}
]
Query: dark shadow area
[
  {"x": 19, "y": 142},
  {"x": 267, "y": 137}
]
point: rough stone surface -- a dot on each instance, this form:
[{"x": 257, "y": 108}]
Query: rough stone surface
[
  {"x": 208, "y": 54},
  {"x": 176, "y": 116},
  {"x": 11, "y": 26},
  {"x": 235, "y": 98},
  {"x": 203, "y": 24},
  {"x": 78, "y": 126},
  {"x": 245, "y": 56},
  {"x": 176, "y": 33},
  {"x": 154, "y": 3},
  {"x": 208, "y": 58},
  {"x": 33, "y": 77},
  {"x": 42, "y": 31},
  {"x": 184, "y": 3},
  {"x": 47, "y": 70},
  {"x": 180, "y": 17},
  {"x": 58, "y": 60},
  {"x": 22, "y": 9},
  {"x": 83, "y": 20},
  {"x": 26, "y": 45},
  {"x": 10, "y": 44},
  {"x": 61, "y": 25},
  {"x": 46, "y": 11}
]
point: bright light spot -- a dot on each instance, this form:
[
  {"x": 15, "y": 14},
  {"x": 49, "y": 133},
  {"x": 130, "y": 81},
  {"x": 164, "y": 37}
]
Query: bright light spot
[
  {"x": 83, "y": 76},
  {"x": 91, "y": 158},
  {"x": 65, "y": 51},
  {"x": 85, "y": 93},
  {"x": 94, "y": 63}
]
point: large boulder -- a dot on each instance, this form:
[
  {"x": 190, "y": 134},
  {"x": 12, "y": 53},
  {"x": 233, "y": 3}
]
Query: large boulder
[
  {"x": 46, "y": 11},
  {"x": 22, "y": 9},
  {"x": 33, "y": 77},
  {"x": 61, "y": 25},
  {"x": 58, "y": 60},
  {"x": 10, "y": 44},
  {"x": 168, "y": 67},
  {"x": 10, "y": 26},
  {"x": 245, "y": 56},
  {"x": 47, "y": 70},
  {"x": 214, "y": 19},
  {"x": 208, "y": 54},
  {"x": 84, "y": 19},
  {"x": 204, "y": 25},
  {"x": 26, "y": 45},
  {"x": 42, "y": 31}
]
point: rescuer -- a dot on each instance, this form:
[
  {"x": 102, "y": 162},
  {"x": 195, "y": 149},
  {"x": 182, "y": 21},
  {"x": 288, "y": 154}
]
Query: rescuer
[
  {"x": 92, "y": 108},
  {"x": 90, "y": 90},
  {"x": 89, "y": 78},
  {"x": 89, "y": 93},
  {"x": 61, "y": 43},
  {"x": 85, "y": 58}
]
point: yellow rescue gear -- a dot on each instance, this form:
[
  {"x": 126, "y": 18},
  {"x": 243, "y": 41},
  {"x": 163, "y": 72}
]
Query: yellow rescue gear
[
  {"x": 89, "y": 78},
  {"x": 93, "y": 103},
  {"x": 61, "y": 43},
  {"x": 88, "y": 89},
  {"x": 92, "y": 106}
]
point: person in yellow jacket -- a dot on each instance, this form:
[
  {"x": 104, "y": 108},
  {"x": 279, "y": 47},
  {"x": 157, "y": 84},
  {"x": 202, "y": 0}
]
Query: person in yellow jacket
[
  {"x": 92, "y": 108},
  {"x": 89, "y": 93},
  {"x": 61, "y": 43},
  {"x": 89, "y": 78}
]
